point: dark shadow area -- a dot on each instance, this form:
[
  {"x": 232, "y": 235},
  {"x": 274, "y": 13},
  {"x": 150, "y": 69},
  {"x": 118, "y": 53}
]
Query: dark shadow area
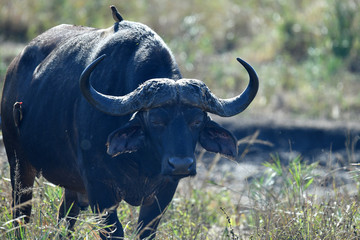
[{"x": 313, "y": 140}]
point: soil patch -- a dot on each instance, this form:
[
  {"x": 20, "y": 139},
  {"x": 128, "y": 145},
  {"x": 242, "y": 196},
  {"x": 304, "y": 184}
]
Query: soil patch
[{"x": 334, "y": 145}]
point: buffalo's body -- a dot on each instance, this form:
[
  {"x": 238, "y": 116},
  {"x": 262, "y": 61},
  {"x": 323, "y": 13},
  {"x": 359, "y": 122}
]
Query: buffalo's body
[
  {"x": 58, "y": 124},
  {"x": 49, "y": 127}
]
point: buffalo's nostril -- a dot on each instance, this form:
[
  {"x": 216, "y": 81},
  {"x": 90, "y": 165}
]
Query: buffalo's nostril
[{"x": 181, "y": 166}]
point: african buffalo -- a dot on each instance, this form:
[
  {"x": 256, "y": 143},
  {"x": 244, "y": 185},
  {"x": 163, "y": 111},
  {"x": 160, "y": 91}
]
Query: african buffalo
[{"x": 106, "y": 114}]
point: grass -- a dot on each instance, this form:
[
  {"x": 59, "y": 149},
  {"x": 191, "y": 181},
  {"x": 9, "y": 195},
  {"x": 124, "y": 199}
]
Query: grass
[
  {"x": 283, "y": 203},
  {"x": 44, "y": 225},
  {"x": 285, "y": 210}
]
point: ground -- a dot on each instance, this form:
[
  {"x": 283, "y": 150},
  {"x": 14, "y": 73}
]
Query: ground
[{"x": 333, "y": 144}]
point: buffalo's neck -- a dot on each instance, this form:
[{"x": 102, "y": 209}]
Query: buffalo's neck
[
  {"x": 134, "y": 183},
  {"x": 143, "y": 190}
]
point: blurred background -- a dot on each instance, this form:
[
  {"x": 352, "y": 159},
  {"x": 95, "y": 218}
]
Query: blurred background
[{"x": 306, "y": 53}]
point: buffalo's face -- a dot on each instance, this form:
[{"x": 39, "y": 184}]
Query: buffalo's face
[
  {"x": 172, "y": 132},
  {"x": 164, "y": 123}
]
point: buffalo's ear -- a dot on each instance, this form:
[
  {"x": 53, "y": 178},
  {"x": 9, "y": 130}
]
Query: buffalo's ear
[
  {"x": 126, "y": 139},
  {"x": 219, "y": 140}
]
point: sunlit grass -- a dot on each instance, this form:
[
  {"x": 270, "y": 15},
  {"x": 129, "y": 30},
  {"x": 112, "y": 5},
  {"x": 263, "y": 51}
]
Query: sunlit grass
[
  {"x": 283, "y": 209},
  {"x": 281, "y": 204}
]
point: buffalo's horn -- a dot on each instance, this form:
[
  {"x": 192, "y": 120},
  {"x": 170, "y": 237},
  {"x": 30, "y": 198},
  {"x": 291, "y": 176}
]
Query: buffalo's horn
[
  {"x": 197, "y": 94},
  {"x": 158, "y": 92},
  {"x": 143, "y": 97}
]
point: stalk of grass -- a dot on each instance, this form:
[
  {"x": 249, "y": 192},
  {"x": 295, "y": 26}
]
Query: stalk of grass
[{"x": 283, "y": 210}]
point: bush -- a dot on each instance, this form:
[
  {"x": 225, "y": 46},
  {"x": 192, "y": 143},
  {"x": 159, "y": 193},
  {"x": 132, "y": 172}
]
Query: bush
[{"x": 342, "y": 27}]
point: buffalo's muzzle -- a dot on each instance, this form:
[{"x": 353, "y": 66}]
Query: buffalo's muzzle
[{"x": 182, "y": 166}]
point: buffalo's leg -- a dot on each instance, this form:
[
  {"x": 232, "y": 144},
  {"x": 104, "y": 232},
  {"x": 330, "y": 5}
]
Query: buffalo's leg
[
  {"x": 69, "y": 208},
  {"x": 102, "y": 201},
  {"x": 22, "y": 175},
  {"x": 150, "y": 215}
]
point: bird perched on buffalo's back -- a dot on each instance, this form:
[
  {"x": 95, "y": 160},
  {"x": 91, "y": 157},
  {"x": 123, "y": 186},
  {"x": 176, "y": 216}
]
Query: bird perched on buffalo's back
[{"x": 115, "y": 13}]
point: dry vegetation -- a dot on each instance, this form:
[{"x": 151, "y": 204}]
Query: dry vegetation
[
  {"x": 281, "y": 203},
  {"x": 307, "y": 55}
]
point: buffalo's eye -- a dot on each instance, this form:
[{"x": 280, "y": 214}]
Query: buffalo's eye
[
  {"x": 158, "y": 118},
  {"x": 158, "y": 123},
  {"x": 196, "y": 123}
]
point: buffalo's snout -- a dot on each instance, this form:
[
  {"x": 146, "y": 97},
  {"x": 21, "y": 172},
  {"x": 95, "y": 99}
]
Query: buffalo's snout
[{"x": 182, "y": 166}]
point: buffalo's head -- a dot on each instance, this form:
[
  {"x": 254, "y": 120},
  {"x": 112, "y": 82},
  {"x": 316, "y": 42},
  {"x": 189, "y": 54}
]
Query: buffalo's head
[{"x": 170, "y": 117}]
